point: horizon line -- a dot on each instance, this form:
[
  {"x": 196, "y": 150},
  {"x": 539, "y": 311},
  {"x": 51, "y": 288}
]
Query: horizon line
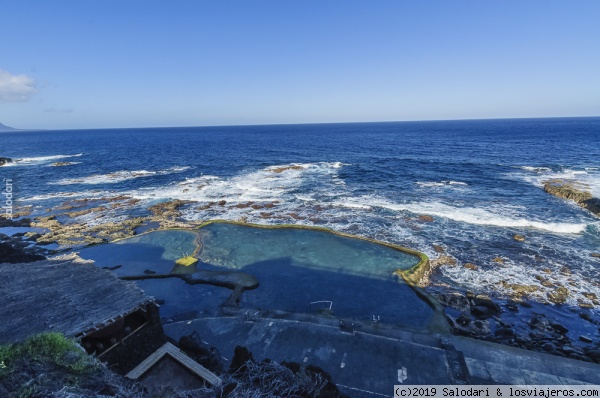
[{"x": 305, "y": 123}]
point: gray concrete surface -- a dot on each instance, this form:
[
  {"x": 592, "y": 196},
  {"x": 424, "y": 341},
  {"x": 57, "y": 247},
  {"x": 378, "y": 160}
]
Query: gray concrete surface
[{"x": 367, "y": 364}]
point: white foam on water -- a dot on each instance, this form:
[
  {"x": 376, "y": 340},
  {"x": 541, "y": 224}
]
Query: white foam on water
[
  {"x": 117, "y": 176},
  {"x": 498, "y": 278},
  {"x": 444, "y": 183},
  {"x": 32, "y": 161},
  {"x": 330, "y": 204},
  {"x": 67, "y": 164},
  {"x": 305, "y": 198},
  {"x": 500, "y": 216},
  {"x": 81, "y": 194},
  {"x": 264, "y": 185},
  {"x": 536, "y": 169},
  {"x": 350, "y": 204},
  {"x": 430, "y": 184},
  {"x": 589, "y": 178}
]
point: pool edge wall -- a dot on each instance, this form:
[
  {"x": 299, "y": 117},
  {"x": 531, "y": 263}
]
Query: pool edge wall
[{"x": 412, "y": 276}]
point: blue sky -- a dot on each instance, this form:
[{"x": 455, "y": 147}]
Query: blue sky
[{"x": 96, "y": 64}]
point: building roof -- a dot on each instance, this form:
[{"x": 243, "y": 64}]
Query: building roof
[
  {"x": 61, "y": 296},
  {"x": 175, "y": 353}
]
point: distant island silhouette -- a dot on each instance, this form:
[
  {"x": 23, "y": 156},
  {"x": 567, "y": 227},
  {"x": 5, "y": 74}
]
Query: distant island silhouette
[{"x": 6, "y": 128}]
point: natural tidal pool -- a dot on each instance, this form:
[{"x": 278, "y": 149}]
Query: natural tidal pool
[
  {"x": 294, "y": 267},
  {"x": 298, "y": 266}
]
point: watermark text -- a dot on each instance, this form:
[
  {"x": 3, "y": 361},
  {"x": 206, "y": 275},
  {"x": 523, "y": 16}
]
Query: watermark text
[{"x": 7, "y": 193}]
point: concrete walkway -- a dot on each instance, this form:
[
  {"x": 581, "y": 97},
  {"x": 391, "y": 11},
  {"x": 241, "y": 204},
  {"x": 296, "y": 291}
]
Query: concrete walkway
[{"x": 364, "y": 364}]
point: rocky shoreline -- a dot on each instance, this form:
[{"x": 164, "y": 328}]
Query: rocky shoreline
[
  {"x": 78, "y": 223},
  {"x": 516, "y": 318},
  {"x": 574, "y": 191},
  {"x": 479, "y": 316}
]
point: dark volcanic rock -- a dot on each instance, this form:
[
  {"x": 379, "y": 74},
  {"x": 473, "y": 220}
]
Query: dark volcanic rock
[
  {"x": 594, "y": 354},
  {"x": 504, "y": 333},
  {"x": 549, "y": 347},
  {"x": 241, "y": 355},
  {"x": 481, "y": 311},
  {"x": 10, "y": 254},
  {"x": 585, "y": 339},
  {"x": 454, "y": 300},
  {"x": 559, "y": 328},
  {"x": 4, "y": 161},
  {"x": 193, "y": 342},
  {"x": 464, "y": 319},
  {"x": 7, "y": 222},
  {"x": 484, "y": 306},
  {"x": 480, "y": 328}
]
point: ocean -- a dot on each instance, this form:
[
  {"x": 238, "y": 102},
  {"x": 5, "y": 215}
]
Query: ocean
[{"x": 465, "y": 186}]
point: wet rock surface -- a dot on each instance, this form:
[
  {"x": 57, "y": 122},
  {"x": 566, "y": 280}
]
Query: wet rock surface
[
  {"x": 489, "y": 319},
  {"x": 14, "y": 252},
  {"x": 20, "y": 247},
  {"x": 80, "y": 222},
  {"x": 574, "y": 191},
  {"x": 4, "y": 161}
]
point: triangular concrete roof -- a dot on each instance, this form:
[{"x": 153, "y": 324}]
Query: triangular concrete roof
[{"x": 178, "y": 355}]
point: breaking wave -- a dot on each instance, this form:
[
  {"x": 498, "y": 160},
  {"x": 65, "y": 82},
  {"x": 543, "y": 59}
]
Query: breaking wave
[
  {"x": 588, "y": 177},
  {"x": 39, "y": 160},
  {"x": 500, "y": 216},
  {"x": 445, "y": 183},
  {"x": 117, "y": 176}
]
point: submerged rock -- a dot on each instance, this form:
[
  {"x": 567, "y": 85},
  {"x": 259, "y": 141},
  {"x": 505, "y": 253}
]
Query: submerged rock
[
  {"x": 168, "y": 209},
  {"x": 573, "y": 191},
  {"x": 440, "y": 249},
  {"x": 519, "y": 290},
  {"x": 285, "y": 168},
  {"x": 519, "y": 238}
]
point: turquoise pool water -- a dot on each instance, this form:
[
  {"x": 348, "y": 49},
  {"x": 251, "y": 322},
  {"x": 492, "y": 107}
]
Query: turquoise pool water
[
  {"x": 238, "y": 246},
  {"x": 294, "y": 267},
  {"x": 298, "y": 266},
  {"x": 155, "y": 251}
]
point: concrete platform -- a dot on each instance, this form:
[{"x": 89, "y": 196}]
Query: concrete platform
[{"x": 364, "y": 364}]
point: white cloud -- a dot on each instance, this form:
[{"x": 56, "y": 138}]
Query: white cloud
[{"x": 15, "y": 88}]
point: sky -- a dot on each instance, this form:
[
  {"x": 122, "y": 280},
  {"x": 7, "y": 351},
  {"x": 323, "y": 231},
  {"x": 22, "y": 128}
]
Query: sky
[{"x": 113, "y": 63}]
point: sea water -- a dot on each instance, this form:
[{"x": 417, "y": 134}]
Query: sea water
[{"x": 480, "y": 183}]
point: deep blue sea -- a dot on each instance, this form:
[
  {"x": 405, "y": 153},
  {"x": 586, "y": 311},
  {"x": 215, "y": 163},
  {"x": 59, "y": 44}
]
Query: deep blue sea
[{"x": 480, "y": 181}]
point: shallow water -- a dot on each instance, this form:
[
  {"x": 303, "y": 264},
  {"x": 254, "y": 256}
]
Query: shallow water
[
  {"x": 238, "y": 246},
  {"x": 294, "y": 267},
  {"x": 155, "y": 251}
]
